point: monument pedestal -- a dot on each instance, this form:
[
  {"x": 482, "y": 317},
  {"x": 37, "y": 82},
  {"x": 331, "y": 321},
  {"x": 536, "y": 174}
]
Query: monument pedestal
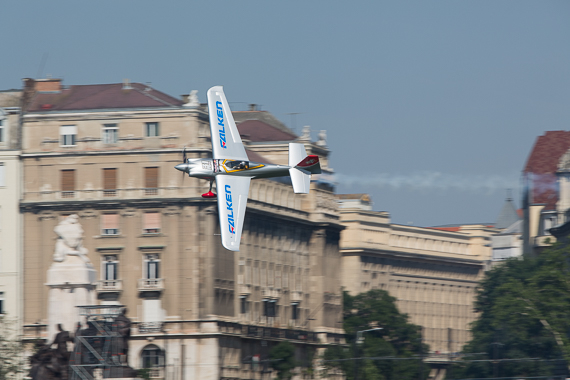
[{"x": 71, "y": 283}]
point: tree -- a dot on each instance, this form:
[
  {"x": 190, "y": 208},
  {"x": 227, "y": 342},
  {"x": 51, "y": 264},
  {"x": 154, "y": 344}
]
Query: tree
[
  {"x": 523, "y": 306},
  {"x": 398, "y": 338},
  {"x": 11, "y": 350},
  {"x": 282, "y": 358}
]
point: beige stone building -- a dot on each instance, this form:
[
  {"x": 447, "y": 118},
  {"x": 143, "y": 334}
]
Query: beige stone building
[
  {"x": 432, "y": 272},
  {"x": 10, "y": 220},
  {"x": 107, "y": 153}
]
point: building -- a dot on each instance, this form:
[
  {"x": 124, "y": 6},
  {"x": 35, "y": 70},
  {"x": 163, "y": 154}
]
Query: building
[
  {"x": 508, "y": 242},
  {"x": 543, "y": 208},
  {"x": 10, "y": 220},
  {"x": 107, "y": 153},
  {"x": 432, "y": 272}
]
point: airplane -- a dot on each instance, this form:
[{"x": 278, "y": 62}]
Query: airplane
[{"x": 231, "y": 169}]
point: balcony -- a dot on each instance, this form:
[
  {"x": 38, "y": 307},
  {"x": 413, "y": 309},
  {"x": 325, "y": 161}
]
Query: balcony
[
  {"x": 296, "y": 296},
  {"x": 151, "y": 285},
  {"x": 270, "y": 293},
  {"x": 109, "y": 286}
]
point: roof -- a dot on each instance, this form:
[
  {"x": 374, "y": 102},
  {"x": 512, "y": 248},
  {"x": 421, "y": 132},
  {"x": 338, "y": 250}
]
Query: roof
[
  {"x": 258, "y": 131},
  {"x": 264, "y": 116},
  {"x": 102, "y": 96},
  {"x": 508, "y": 215},
  {"x": 541, "y": 166},
  {"x": 360, "y": 196},
  {"x": 256, "y": 157}
]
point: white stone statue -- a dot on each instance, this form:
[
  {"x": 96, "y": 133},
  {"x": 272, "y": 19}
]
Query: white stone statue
[
  {"x": 322, "y": 138},
  {"x": 306, "y": 134},
  {"x": 71, "y": 277},
  {"x": 193, "y": 101},
  {"x": 70, "y": 241}
]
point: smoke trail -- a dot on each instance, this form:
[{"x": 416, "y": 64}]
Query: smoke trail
[{"x": 431, "y": 181}]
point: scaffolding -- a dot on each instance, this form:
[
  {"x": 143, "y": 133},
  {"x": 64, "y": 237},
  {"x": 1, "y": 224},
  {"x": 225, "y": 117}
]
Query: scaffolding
[{"x": 96, "y": 352}]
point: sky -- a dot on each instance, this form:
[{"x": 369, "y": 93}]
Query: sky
[{"x": 431, "y": 107}]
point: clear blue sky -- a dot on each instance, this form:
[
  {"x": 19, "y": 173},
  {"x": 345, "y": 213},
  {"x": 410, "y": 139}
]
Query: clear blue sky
[{"x": 430, "y": 106}]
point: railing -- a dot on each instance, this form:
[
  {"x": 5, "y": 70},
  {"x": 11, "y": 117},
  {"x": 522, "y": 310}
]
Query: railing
[
  {"x": 109, "y": 286},
  {"x": 151, "y": 284},
  {"x": 132, "y": 193}
]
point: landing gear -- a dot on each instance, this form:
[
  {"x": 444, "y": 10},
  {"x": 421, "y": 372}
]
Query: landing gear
[{"x": 209, "y": 194}]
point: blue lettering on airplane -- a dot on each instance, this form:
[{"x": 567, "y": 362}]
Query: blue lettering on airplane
[
  {"x": 231, "y": 223},
  {"x": 221, "y": 131}
]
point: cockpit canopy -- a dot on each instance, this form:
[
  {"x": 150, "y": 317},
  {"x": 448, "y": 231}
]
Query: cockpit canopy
[{"x": 236, "y": 164}]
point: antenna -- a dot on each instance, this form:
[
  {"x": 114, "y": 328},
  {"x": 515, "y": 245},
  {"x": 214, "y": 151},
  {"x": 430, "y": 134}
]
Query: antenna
[
  {"x": 42, "y": 64},
  {"x": 293, "y": 120}
]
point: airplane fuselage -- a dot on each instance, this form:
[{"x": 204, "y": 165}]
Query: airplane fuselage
[{"x": 208, "y": 168}]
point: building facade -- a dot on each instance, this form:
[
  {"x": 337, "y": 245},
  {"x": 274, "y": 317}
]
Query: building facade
[
  {"x": 107, "y": 153},
  {"x": 432, "y": 272},
  {"x": 10, "y": 220}
]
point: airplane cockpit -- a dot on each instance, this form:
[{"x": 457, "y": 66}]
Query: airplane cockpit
[{"x": 234, "y": 165}]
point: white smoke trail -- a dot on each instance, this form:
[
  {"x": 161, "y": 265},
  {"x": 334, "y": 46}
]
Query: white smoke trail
[{"x": 428, "y": 180}]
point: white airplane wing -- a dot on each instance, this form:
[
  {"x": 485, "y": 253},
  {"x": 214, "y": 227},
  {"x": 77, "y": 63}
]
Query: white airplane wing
[
  {"x": 226, "y": 142},
  {"x": 232, "y": 200}
]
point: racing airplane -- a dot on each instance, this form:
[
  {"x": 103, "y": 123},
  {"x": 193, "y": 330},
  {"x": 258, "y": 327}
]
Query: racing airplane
[{"x": 231, "y": 169}]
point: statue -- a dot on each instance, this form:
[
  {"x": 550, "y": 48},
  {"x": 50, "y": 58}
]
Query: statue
[
  {"x": 61, "y": 353},
  {"x": 124, "y": 329},
  {"x": 70, "y": 241},
  {"x": 52, "y": 363},
  {"x": 322, "y": 138},
  {"x": 306, "y": 134},
  {"x": 193, "y": 101}
]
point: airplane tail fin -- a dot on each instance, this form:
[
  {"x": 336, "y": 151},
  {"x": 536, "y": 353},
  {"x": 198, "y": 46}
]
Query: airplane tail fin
[{"x": 302, "y": 166}]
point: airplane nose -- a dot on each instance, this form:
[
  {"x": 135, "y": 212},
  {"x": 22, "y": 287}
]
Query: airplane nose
[{"x": 182, "y": 167}]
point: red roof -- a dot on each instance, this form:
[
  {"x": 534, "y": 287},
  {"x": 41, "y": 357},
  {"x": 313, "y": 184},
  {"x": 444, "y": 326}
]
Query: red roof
[
  {"x": 257, "y": 131},
  {"x": 451, "y": 229},
  {"x": 102, "y": 96},
  {"x": 256, "y": 157},
  {"x": 541, "y": 166}
]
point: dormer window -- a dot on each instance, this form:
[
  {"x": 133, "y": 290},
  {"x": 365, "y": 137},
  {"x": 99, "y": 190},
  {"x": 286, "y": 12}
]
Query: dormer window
[{"x": 68, "y": 135}]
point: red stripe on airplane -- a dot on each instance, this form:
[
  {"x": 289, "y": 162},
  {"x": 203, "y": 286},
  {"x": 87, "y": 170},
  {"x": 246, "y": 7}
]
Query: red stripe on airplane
[{"x": 309, "y": 161}]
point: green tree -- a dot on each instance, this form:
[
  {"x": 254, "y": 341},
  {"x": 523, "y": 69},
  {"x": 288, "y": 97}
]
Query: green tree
[
  {"x": 523, "y": 306},
  {"x": 282, "y": 358},
  {"x": 398, "y": 338},
  {"x": 11, "y": 350}
]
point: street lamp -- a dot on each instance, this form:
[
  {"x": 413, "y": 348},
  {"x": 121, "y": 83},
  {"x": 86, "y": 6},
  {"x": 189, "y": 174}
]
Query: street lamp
[
  {"x": 360, "y": 337},
  {"x": 359, "y": 341}
]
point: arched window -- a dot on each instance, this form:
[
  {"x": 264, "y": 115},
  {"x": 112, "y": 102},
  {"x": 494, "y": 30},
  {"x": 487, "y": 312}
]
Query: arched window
[{"x": 152, "y": 357}]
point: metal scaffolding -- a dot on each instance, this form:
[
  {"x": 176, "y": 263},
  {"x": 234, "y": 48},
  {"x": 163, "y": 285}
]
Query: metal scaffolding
[{"x": 96, "y": 351}]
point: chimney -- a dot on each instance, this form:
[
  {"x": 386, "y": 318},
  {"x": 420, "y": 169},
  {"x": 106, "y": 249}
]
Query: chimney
[
  {"x": 48, "y": 85},
  {"x": 253, "y": 107}
]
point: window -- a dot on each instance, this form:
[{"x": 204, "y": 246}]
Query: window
[
  {"x": 152, "y": 357},
  {"x": 152, "y": 267},
  {"x": 68, "y": 135},
  {"x": 270, "y": 308},
  {"x": 2, "y": 175},
  {"x": 151, "y": 222},
  {"x": 110, "y": 224},
  {"x": 152, "y": 129},
  {"x": 109, "y": 182},
  {"x": 295, "y": 311},
  {"x": 151, "y": 181},
  {"x": 110, "y": 134},
  {"x": 1, "y": 302},
  {"x": 110, "y": 268},
  {"x": 2, "y": 130},
  {"x": 243, "y": 304},
  {"x": 68, "y": 183}
]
